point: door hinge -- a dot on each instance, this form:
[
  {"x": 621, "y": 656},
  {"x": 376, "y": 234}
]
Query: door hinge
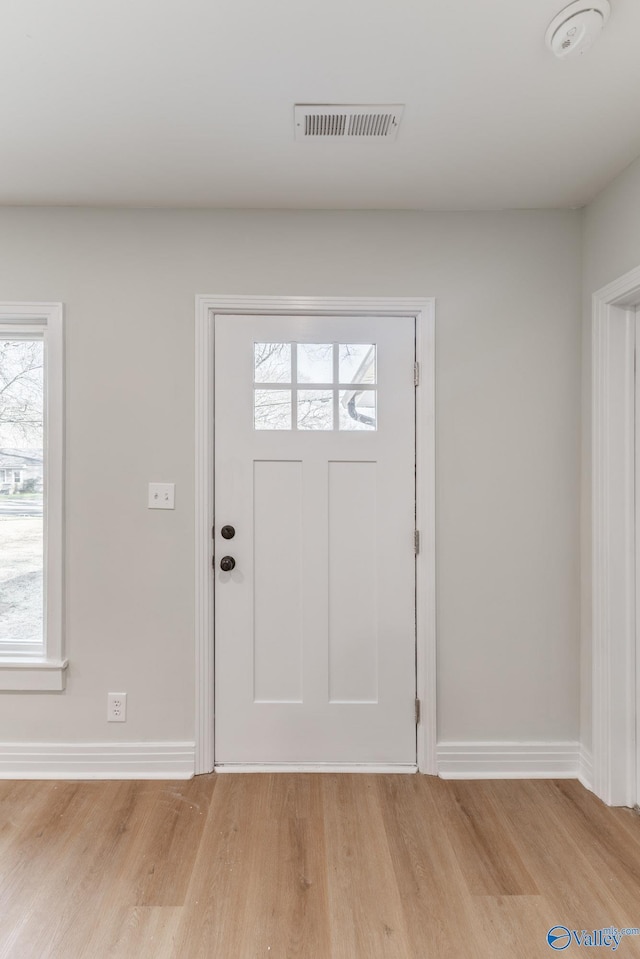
[
  {"x": 416, "y": 374},
  {"x": 416, "y": 541},
  {"x": 417, "y": 711}
]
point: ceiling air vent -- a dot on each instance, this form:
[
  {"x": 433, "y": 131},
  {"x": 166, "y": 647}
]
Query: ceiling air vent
[{"x": 321, "y": 121}]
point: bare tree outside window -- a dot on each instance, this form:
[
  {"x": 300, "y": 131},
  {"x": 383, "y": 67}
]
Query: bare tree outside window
[
  {"x": 315, "y": 409},
  {"x": 21, "y": 490},
  {"x": 21, "y": 393},
  {"x": 272, "y": 362}
]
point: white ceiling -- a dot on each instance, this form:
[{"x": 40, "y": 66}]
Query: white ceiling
[{"x": 190, "y": 103}]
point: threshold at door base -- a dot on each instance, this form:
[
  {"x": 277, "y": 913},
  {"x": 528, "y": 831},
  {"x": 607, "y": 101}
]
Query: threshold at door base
[{"x": 371, "y": 768}]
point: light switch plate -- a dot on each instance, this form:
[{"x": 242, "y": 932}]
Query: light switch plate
[{"x": 162, "y": 495}]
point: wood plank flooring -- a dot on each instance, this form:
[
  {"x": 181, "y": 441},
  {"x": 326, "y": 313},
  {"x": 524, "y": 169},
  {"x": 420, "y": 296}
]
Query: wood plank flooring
[{"x": 311, "y": 867}]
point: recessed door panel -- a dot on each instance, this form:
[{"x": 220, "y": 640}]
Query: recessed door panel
[
  {"x": 277, "y": 581},
  {"x": 353, "y": 583}
]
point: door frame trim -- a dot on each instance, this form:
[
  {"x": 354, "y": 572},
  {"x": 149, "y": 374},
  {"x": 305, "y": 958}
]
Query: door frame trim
[
  {"x": 423, "y": 310},
  {"x": 613, "y": 517}
]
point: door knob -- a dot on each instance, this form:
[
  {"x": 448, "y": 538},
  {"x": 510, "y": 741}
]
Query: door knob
[
  {"x": 227, "y": 563},
  {"x": 227, "y": 532}
]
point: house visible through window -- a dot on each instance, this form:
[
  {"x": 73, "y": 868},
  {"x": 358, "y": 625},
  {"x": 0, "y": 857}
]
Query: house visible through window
[{"x": 31, "y": 574}]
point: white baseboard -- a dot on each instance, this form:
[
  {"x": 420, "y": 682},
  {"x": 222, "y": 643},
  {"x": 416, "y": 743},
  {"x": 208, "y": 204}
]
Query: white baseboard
[
  {"x": 171, "y": 760},
  {"x": 585, "y": 769},
  {"x": 504, "y": 760},
  {"x": 97, "y": 760}
]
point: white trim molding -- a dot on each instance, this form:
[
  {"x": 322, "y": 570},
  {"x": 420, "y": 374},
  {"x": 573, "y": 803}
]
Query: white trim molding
[
  {"x": 97, "y": 760},
  {"x": 505, "y": 760},
  {"x": 614, "y": 540},
  {"x": 585, "y": 768},
  {"x": 423, "y": 310},
  {"x": 41, "y": 675}
]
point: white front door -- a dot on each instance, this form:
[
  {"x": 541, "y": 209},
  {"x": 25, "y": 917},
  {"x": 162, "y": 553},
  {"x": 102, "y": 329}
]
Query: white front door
[{"x": 315, "y": 655}]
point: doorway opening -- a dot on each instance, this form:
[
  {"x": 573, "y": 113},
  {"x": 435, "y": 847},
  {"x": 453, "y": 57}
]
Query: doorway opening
[{"x": 334, "y": 410}]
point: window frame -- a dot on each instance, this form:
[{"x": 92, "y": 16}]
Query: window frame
[
  {"x": 339, "y": 388},
  {"x": 46, "y": 670}
]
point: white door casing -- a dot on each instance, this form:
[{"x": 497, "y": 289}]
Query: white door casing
[
  {"x": 423, "y": 313},
  {"x": 615, "y": 541},
  {"x": 636, "y": 798},
  {"x": 315, "y": 624}
]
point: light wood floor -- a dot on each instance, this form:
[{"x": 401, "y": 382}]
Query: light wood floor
[{"x": 311, "y": 866}]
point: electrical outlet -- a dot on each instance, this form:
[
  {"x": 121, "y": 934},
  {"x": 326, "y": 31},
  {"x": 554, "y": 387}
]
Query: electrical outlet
[{"x": 116, "y": 707}]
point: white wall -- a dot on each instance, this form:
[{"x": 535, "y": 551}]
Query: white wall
[
  {"x": 611, "y": 247},
  {"x": 508, "y": 418}
]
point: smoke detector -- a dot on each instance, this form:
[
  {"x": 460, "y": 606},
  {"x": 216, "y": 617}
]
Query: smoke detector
[
  {"x": 576, "y": 27},
  {"x": 326, "y": 121}
]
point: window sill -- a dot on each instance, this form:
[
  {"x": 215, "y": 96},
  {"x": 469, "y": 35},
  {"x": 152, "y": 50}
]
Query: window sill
[{"x": 33, "y": 674}]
